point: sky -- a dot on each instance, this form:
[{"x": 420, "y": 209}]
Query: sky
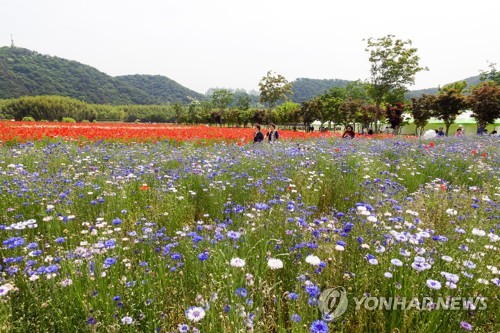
[{"x": 205, "y": 44}]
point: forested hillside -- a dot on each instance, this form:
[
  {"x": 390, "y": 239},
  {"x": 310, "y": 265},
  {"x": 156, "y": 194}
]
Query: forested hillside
[
  {"x": 304, "y": 89},
  {"x": 28, "y": 73}
]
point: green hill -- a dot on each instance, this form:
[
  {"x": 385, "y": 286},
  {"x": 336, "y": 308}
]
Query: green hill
[
  {"x": 471, "y": 81},
  {"x": 24, "y": 72},
  {"x": 161, "y": 88},
  {"x": 304, "y": 89}
]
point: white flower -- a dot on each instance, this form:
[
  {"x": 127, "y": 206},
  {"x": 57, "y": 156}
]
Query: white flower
[
  {"x": 397, "y": 262},
  {"x": 313, "y": 260},
  {"x": 195, "y": 313},
  {"x": 127, "y": 320},
  {"x": 451, "y": 212},
  {"x": 66, "y": 282},
  {"x": 237, "y": 262},
  {"x": 447, "y": 258},
  {"x": 478, "y": 232},
  {"x": 4, "y": 289},
  {"x": 483, "y": 281},
  {"x": 371, "y": 218},
  {"x": 388, "y": 275},
  {"x": 433, "y": 284},
  {"x": 274, "y": 263},
  {"x": 339, "y": 247}
]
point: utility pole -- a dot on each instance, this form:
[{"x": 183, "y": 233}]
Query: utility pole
[{"x": 11, "y": 41}]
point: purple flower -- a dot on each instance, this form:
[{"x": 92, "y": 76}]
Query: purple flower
[
  {"x": 108, "y": 262},
  {"x": 203, "y": 256},
  {"x": 466, "y": 326},
  {"x": 319, "y": 326}
]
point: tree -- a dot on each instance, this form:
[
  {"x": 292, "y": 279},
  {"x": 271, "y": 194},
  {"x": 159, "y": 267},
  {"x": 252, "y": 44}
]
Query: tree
[
  {"x": 394, "y": 114},
  {"x": 273, "y": 88},
  {"x": 485, "y": 103},
  {"x": 366, "y": 115},
  {"x": 288, "y": 113},
  {"x": 450, "y": 102},
  {"x": 309, "y": 112},
  {"x": 243, "y": 100},
  {"x": 421, "y": 110},
  {"x": 221, "y": 98},
  {"x": 393, "y": 66},
  {"x": 332, "y": 99},
  {"x": 348, "y": 111},
  {"x": 491, "y": 75}
]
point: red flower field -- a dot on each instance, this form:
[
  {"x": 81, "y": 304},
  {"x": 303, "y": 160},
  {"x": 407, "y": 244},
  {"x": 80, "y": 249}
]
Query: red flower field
[{"x": 29, "y": 131}]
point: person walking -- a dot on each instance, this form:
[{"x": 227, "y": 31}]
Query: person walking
[
  {"x": 258, "y": 136},
  {"x": 272, "y": 134}
]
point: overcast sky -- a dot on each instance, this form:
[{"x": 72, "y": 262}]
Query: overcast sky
[{"x": 205, "y": 44}]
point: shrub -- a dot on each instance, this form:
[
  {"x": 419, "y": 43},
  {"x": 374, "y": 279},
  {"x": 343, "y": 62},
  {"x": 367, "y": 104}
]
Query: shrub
[
  {"x": 28, "y": 119},
  {"x": 68, "y": 120}
]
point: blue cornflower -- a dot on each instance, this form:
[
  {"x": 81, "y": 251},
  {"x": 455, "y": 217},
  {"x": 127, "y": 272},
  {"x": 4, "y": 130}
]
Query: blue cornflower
[
  {"x": 296, "y": 318},
  {"x": 319, "y": 326},
  {"x": 242, "y": 292},
  {"x": 313, "y": 290},
  {"x": 203, "y": 256},
  {"x": 117, "y": 221},
  {"x": 60, "y": 240},
  {"x": 233, "y": 234},
  {"x": 293, "y": 296},
  {"x": 32, "y": 246},
  {"x": 109, "y": 261}
]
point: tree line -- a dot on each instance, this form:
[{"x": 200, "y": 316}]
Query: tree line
[{"x": 381, "y": 99}]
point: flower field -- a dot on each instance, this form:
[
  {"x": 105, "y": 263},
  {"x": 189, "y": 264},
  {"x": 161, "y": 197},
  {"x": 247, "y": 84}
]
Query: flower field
[
  {"x": 105, "y": 235},
  {"x": 23, "y": 131}
]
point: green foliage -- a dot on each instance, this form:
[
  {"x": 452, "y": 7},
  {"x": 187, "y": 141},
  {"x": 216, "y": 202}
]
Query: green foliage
[
  {"x": 68, "y": 120},
  {"x": 393, "y": 66},
  {"x": 26, "y": 72},
  {"x": 273, "y": 88},
  {"x": 491, "y": 75},
  {"x": 28, "y": 119},
  {"x": 160, "y": 88},
  {"x": 485, "y": 103},
  {"x": 450, "y": 102},
  {"x": 48, "y": 107},
  {"x": 422, "y": 109},
  {"x": 288, "y": 113},
  {"x": 149, "y": 113},
  {"x": 305, "y": 89},
  {"x": 221, "y": 98}
]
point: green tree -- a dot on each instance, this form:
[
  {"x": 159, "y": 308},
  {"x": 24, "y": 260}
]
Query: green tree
[
  {"x": 491, "y": 75},
  {"x": 221, "y": 98},
  {"x": 309, "y": 111},
  {"x": 393, "y": 66},
  {"x": 273, "y": 88},
  {"x": 332, "y": 100},
  {"x": 450, "y": 102},
  {"x": 421, "y": 110},
  {"x": 242, "y": 100},
  {"x": 485, "y": 103},
  {"x": 288, "y": 113}
]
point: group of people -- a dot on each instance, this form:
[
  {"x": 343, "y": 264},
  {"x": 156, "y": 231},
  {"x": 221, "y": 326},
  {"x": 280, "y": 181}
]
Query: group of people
[
  {"x": 271, "y": 135},
  {"x": 458, "y": 133}
]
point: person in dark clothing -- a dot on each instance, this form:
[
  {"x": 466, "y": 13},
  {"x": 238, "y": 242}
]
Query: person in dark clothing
[
  {"x": 272, "y": 134},
  {"x": 349, "y": 133},
  {"x": 440, "y": 132},
  {"x": 258, "y": 136}
]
